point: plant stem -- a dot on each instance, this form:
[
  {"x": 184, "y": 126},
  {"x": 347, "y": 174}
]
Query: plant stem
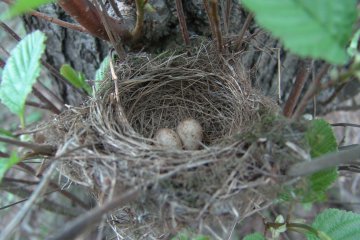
[
  {"x": 38, "y": 148},
  {"x": 311, "y": 92},
  {"x": 246, "y": 25},
  {"x": 182, "y": 22},
  {"x": 293, "y": 98},
  {"x": 84, "y": 12},
  {"x": 214, "y": 16},
  {"x": 325, "y": 162}
]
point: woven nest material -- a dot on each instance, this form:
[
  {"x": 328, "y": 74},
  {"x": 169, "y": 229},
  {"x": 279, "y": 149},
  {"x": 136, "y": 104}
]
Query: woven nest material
[{"x": 209, "y": 189}]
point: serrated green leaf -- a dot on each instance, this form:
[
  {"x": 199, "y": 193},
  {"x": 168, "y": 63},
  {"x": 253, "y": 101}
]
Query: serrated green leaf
[
  {"x": 322, "y": 140},
  {"x": 21, "y": 71},
  {"x": 254, "y": 236},
  {"x": 7, "y": 163},
  {"x": 101, "y": 72},
  {"x": 77, "y": 79},
  {"x": 319, "y": 29},
  {"x": 22, "y": 6},
  {"x": 336, "y": 224}
]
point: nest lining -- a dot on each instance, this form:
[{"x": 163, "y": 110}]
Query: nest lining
[{"x": 225, "y": 179}]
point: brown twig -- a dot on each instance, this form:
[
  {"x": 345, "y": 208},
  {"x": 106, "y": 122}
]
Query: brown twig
[
  {"x": 114, "y": 38},
  {"x": 37, "y": 105},
  {"x": 293, "y": 98},
  {"x": 38, "y": 148},
  {"x": 15, "y": 222},
  {"x": 214, "y": 16},
  {"x": 2, "y": 63},
  {"x": 115, "y": 8},
  {"x": 207, "y": 10},
  {"x": 324, "y": 162},
  {"x": 246, "y": 25},
  {"x": 48, "y": 97},
  {"x": 87, "y": 220},
  {"x": 52, "y": 19},
  {"x": 4, "y": 155},
  {"x": 311, "y": 92},
  {"x": 226, "y": 14},
  {"x": 84, "y": 12},
  {"x": 182, "y": 22},
  {"x": 345, "y": 125}
]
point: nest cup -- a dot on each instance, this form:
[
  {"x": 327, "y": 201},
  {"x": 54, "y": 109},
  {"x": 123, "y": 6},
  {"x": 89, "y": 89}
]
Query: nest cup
[{"x": 220, "y": 183}]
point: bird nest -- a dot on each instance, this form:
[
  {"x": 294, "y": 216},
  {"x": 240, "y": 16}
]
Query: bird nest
[{"x": 107, "y": 145}]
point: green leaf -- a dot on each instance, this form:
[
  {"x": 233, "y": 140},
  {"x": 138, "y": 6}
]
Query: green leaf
[
  {"x": 7, "y": 163},
  {"x": 77, "y": 79},
  {"x": 322, "y": 140},
  {"x": 101, "y": 72},
  {"x": 6, "y": 133},
  {"x": 22, "y": 6},
  {"x": 254, "y": 236},
  {"x": 318, "y": 29},
  {"x": 21, "y": 71},
  {"x": 336, "y": 224}
]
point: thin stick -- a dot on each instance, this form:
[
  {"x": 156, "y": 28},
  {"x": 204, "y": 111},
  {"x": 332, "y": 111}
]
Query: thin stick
[
  {"x": 246, "y": 25},
  {"x": 216, "y": 21},
  {"x": 293, "y": 98},
  {"x": 226, "y": 15},
  {"x": 310, "y": 93},
  {"x": 37, "y": 105},
  {"x": 15, "y": 222},
  {"x": 59, "y": 22},
  {"x": 76, "y": 227},
  {"x": 325, "y": 162},
  {"x": 182, "y": 22},
  {"x": 115, "y": 8},
  {"x": 114, "y": 38},
  {"x": 38, "y": 148},
  {"x": 212, "y": 28},
  {"x": 45, "y": 95},
  {"x": 345, "y": 125},
  {"x": 115, "y": 79}
]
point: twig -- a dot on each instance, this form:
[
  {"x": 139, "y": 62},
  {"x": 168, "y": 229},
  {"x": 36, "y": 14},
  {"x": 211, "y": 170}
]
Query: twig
[
  {"x": 310, "y": 93},
  {"x": 226, "y": 14},
  {"x": 114, "y": 38},
  {"x": 76, "y": 227},
  {"x": 86, "y": 15},
  {"x": 37, "y": 105},
  {"x": 293, "y": 98},
  {"x": 38, "y": 148},
  {"x": 52, "y": 19},
  {"x": 246, "y": 25},
  {"x": 45, "y": 95},
  {"x": 325, "y": 162},
  {"x": 115, "y": 79},
  {"x": 4, "y": 155},
  {"x": 137, "y": 31},
  {"x": 15, "y": 222},
  {"x": 207, "y": 10},
  {"x": 115, "y": 8},
  {"x": 214, "y": 15},
  {"x": 345, "y": 125},
  {"x": 59, "y": 22},
  {"x": 2, "y": 63},
  {"x": 182, "y": 22}
]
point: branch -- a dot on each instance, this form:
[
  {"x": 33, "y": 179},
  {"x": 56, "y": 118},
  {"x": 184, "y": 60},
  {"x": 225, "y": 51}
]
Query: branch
[
  {"x": 311, "y": 92},
  {"x": 325, "y": 162},
  {"x": 14, "y": 223},
  {"x": 52, "y": 19},
  {"x": 206, "y": 6},
  {"x": 246, "y": 25},
  {"x": 84, "y": 12},
  {"x": 182, "y": 22},
  {"x": 38, "y": 148},
  {"x": 293, "y": 98},
  {"x": 214, "y": 15},
  {"x": 76, "y": 227},
  {"x": 345, "y": 125},
  {"x": 137, "y": 31}
]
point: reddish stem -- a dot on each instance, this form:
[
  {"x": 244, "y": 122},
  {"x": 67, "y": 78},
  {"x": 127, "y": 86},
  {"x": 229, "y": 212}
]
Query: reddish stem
[{"x": 84, "y": 12}]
